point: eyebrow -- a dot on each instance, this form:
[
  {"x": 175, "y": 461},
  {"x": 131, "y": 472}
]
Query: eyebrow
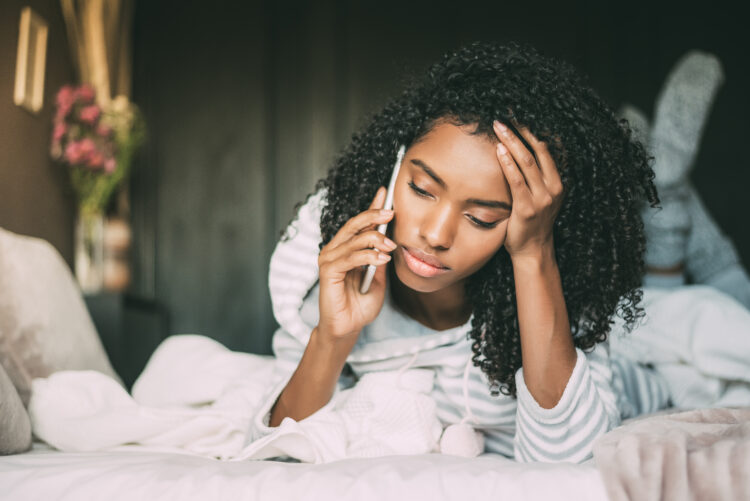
[{"x": 495, "y": 204}]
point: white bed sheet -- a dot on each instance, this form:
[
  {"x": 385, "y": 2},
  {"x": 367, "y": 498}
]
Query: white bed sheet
[{"x": 47, "y": 474}]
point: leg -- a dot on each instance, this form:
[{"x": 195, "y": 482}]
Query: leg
[
  {"x": 711, "y": 257},
  {"x": 665, "y": 277},
  {"x": 667, "y": 229},
  {"x": 680, "y": 115}
]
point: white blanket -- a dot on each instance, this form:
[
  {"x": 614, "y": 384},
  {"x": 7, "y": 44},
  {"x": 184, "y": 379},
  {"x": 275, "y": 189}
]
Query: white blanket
[
  {"x": 196, "y": 396},
  {"x": 698, "y": 338}
]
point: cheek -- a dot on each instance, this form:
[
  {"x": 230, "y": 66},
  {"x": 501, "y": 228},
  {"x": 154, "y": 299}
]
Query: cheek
[
  {"x": 400, "y": 196},
  {"x": 481, "y": 249},
  {"x": 402, "y": 213}
]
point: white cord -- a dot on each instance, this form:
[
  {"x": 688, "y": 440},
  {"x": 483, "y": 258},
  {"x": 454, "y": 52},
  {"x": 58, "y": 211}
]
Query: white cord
[
  {"x": 469, "y": 414},
  {"x": 403, "y": 369}
]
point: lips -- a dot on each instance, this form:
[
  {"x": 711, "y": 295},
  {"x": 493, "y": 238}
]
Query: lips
[
  {"x": 419, "y": 267},
  {"x": 427, "y": 258}
]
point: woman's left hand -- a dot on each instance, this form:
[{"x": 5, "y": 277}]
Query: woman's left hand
[{"x": 536, "y": 189}]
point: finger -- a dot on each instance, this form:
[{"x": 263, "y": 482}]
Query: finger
[
  {"x": 379, "y": 200},
  {"x": 367, "y": 240},
  {"x": 361, "y": 221},
  {"x": 379, "y": 279},
  {"x": 550, "y": 174},
  {"x": 522, "y": 156},
  {"x": 519, "y": 189},
  {"x": 358, "y": 224},
  {"x": 338, "y": 269}
]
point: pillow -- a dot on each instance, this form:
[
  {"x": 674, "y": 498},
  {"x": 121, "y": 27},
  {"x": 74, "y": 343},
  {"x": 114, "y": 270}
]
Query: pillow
[
  {"x": 44, "y": 324},
  {"x": 15, "y": 425}
]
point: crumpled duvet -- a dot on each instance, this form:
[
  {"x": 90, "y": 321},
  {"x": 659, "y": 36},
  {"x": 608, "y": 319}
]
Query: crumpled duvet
[{"x": 196, "y": 396}]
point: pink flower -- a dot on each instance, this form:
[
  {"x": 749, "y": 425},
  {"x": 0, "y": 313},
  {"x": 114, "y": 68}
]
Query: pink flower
[
  {"x": 73, "y": 153},
  {"x": 96, "y": 159},
  {"x": 85, "y": 93},
  {"x": 59, "y": 131},
  {"x": 103, "y": 130},
  {"x": 89, "y": 114},
  {"x": 65, "y": 96},
  {"x": 87, "y": 146},
  {"x": 110, "y": 165},
  {"x": 64, "y": 100},
  {"x": 62, "y": 111}
]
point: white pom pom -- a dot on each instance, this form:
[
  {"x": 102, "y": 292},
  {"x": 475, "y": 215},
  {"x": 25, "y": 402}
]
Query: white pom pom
[{"x": 462, "y": 440}]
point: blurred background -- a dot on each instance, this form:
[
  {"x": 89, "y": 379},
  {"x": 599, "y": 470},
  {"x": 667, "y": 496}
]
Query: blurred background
[{"x": 247, "y": 103}]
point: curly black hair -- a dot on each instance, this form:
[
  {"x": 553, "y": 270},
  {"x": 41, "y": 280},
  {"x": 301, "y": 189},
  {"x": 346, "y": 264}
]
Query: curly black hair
[{"x": 606, "y": 173}]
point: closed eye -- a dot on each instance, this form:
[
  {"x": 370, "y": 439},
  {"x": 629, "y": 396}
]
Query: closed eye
[
  {"x": 477, "y": 222},
  {"x": 418, "y": 190}
]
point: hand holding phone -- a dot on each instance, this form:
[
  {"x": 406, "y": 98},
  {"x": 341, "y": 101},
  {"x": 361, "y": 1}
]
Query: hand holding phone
[
  {"x": 367, "y": 280},
  {"x": 360, "y": 242}
]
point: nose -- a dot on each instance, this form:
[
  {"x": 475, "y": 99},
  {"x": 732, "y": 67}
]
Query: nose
[{"x": 438, "y": 226}]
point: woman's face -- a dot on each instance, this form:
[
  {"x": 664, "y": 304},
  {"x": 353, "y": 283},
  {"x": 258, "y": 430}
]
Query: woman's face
[{"x": 451, "y": 201}]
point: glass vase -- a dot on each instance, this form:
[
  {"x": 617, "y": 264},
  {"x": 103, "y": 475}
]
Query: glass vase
[{"x": 89, "y": 250}]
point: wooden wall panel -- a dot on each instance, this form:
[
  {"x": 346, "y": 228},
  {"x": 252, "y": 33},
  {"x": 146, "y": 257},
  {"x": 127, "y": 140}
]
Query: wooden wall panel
[
  {"x": 209, "y": 206},
  {"x": 35, "y": 194},
  {"x": 249, "y": 102}
]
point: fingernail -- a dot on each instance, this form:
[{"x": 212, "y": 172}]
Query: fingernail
[
  {"x": 390, "y": 243},
  {"x": 502, "y": 149},
  {"x": 500, "y": 126},
  {"x": 383, "y": 257},
  {"x": 385, "y": 212}
]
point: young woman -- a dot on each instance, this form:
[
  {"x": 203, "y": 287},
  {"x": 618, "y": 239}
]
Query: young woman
[{"x": 515, "y": 238}]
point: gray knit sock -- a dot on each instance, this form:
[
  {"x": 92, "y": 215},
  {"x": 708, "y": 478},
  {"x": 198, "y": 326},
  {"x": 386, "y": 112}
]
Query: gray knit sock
[
  {"x": 709, "y": 249},
  {"x": 733, "y": 280},
  {"x": 666, "y": 228},
  {"x": 638, "y": 122},
  {"x": 680, "y": 115},
  {"x": 664, "y": 281}
]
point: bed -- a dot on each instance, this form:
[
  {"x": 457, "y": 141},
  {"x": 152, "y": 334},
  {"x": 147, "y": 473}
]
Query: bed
[
  {"x": 700, "y": 453},
  {"x": 45, "y": 474}
]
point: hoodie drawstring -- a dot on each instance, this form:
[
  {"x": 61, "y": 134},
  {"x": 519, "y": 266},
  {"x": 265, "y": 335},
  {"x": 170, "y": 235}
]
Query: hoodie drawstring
[
  {"x": 469, "y": 414},
  {"x": 403, "y": 369}
]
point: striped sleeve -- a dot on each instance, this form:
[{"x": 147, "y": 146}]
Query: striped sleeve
[
  {"x": 567, "y": 431},
  {"x": 293, "y": 267}
]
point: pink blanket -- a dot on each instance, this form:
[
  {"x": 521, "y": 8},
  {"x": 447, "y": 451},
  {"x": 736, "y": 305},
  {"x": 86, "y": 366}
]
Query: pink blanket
[{"x": 701, "y": 454}]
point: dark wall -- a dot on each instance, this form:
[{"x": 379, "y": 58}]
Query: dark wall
[
  {"x": 35, "y": 195},
  {"x": 203, "y": 189},
  {"x": 249, "y": 102}
]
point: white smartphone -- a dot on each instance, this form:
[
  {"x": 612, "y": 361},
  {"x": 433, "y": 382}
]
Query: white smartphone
[{"x": 367, "y": 280}]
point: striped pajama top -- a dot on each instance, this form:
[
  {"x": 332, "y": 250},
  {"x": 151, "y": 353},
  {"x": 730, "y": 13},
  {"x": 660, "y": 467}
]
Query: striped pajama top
[{"x": 601, "y": 391}]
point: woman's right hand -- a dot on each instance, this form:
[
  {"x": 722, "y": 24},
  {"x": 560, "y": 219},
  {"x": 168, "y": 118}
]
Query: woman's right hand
[{"x": 344, "y": 311}]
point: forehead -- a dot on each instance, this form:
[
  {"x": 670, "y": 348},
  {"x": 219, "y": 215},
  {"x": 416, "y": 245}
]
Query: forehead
[{"x": 468, "y": 164}]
